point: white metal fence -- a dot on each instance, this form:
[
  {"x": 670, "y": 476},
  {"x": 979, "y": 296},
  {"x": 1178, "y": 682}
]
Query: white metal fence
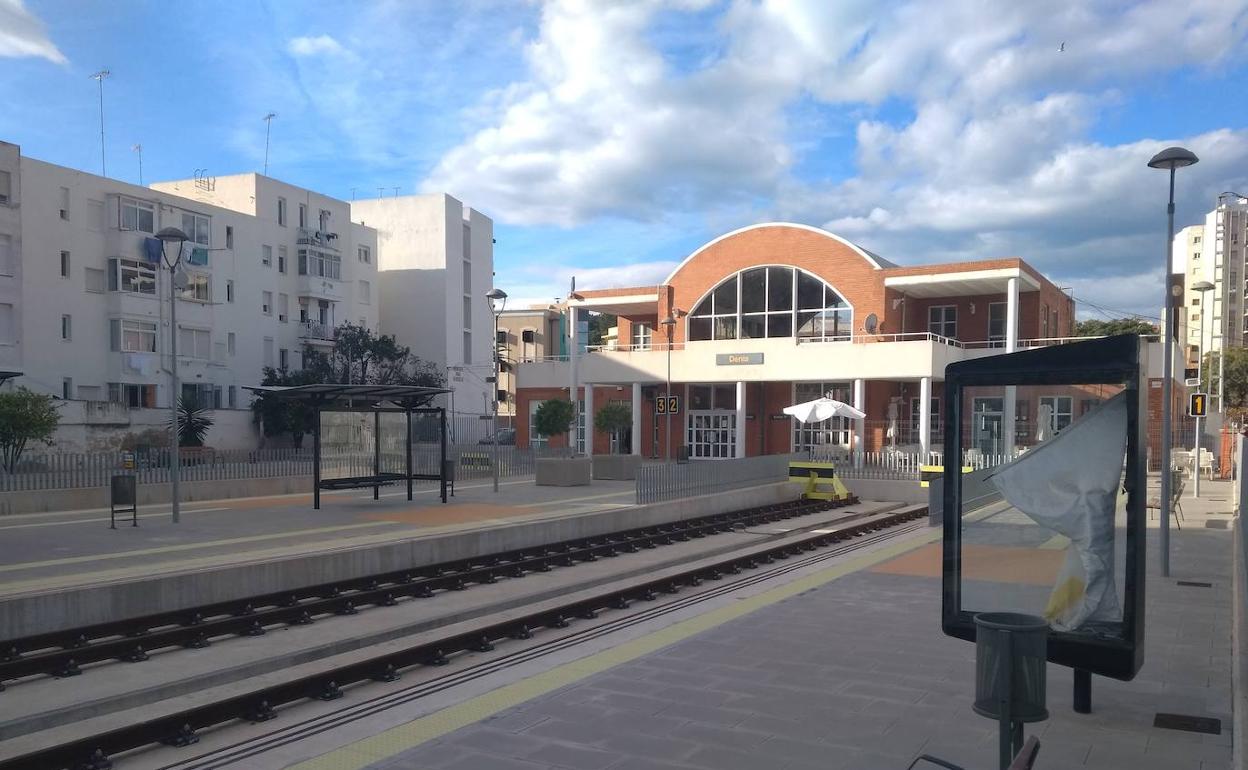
[
  {"x": 667, "y": 481},
  {"x": 71, "y": 470}
]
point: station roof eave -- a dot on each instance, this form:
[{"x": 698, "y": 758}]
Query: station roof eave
[
  {"x": 327, "y": 393},
  {"x": 962, "y": 283},
  {"x": 8, "y": 376},
  {"x": 643, "y": 301}
]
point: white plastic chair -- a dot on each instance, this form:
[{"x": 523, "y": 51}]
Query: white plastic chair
[{"x": 1206, "y": 463}]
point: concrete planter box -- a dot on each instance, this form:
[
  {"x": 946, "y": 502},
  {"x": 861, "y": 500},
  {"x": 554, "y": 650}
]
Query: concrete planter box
[
  {"x": 564, "y": 471},
  {"x": 617, "y": 467}
]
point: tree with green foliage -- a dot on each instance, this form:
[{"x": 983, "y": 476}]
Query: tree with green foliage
[
  {"x": 598, "y": 326},
  {"x": 1097, "y": 328},
  {"x": 615, "y": 417},
  {"x": 361, "y": 357},
  {"x": 194, "y": 422},
  {"x": 279, "y": 417},
  {"x": 1234, "y": 380},
  {"x": 24, "y": 417},
  {"x": 553, "y": 417}
]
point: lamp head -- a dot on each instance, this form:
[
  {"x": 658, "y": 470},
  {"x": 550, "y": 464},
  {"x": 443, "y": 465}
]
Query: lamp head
[
  {"x": 669, "y": 321},
  {"x": 497, "y": 299},
  {"x": 172, "y": 235},
  {"x": 1172, "y": 158},
  {"x": 1203, "y": 286}
]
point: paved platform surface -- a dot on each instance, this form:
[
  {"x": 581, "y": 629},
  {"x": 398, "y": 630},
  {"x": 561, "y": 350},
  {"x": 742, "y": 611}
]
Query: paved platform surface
[
  {"x": 44, "y": 551},
  {"x": 851, "y": 672}
]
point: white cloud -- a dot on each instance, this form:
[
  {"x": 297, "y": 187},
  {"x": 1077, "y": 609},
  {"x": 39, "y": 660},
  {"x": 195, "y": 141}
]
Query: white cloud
[
  {"x": 22, "y": 34},
  {"x": 970, "y": 127},
  {"x": 321, "y": 45}
]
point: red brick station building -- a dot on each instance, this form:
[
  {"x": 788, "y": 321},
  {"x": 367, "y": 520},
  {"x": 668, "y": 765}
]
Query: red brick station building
[{"x": 775, "y": 314}]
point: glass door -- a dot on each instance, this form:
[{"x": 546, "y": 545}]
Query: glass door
[
  {"x": 712, "y": 435},
  {"x": 986, "y": 425}
]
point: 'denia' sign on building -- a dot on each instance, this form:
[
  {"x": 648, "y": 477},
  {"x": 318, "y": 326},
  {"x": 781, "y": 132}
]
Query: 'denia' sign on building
[{"x": 738, "y": 359}]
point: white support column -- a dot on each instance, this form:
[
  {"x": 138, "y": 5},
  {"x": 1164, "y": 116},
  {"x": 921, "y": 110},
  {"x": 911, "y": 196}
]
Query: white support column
[
  {"x": 572, "y": 342},
  {"x": 739, "y": 434},
  {"x": 925, "y": 418},
  {"x": 859, "y": 424},
  {"x": 589, "y": 419},
  {"x": 636, "y": 437},
  {"x": 1011, "y": 345}
]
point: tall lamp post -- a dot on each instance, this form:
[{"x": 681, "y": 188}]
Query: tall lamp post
[
  {"x": 498, "y": 300},
  {"x": 669, "y": 324},
  {"x": 1204, "y": 287},
  {"x": 1170, "y": 158},
  {"x": 175, "y": 237}
]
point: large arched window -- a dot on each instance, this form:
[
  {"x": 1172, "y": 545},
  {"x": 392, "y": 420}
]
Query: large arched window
[{"x": 771, "y": 302}]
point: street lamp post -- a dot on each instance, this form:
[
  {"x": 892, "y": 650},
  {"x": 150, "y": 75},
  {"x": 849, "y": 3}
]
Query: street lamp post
[
  {"x": 1204, "y": 287},
  {"x": 498, "y": 300},
  {"x": 1170, "y": 158},
  {"x": 174, "y": 236},
  {"x": 669, "y": 324}
]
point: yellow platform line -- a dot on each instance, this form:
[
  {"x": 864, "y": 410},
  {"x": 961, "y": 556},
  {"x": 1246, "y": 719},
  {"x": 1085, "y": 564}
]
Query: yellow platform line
[
  {"x": 407, "y": 736},
  {"x": 121, "y": 517}
]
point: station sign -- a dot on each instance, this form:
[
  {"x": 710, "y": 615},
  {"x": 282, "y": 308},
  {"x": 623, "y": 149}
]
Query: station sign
[
  {"x": 1198, "y": 405},
  {"x": 738, "y": 359},
  {"x": 666, "y": 404}
]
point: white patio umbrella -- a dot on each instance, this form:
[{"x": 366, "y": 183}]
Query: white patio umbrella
[
  {"x": 822, "y": 409},
  {"x": 1044, "y": 425},
  {"x": 893, "y": 407}
]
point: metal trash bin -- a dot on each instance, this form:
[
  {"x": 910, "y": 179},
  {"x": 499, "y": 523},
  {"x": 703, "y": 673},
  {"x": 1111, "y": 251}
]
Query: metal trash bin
[
  {"x": 448, "y": 471},
  {"x": 1011, "y": 656},
  {"x": 123, "y": 498}
]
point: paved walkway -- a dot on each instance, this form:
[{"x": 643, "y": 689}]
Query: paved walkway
[
  {"x": 847, "y": 671},
  {"x": 46, "y": 551}
]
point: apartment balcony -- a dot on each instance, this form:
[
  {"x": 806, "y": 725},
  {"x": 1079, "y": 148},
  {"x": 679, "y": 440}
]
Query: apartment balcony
[
  {"x": 317, "y": 287},
  {"x": 306, "y": 236},
  {"x": 316, "y": 333}
]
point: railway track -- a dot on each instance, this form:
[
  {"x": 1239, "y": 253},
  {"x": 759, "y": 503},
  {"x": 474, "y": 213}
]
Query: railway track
[
  {"x": 62, "y": 654},
  {"x": 180, "y": 728}
]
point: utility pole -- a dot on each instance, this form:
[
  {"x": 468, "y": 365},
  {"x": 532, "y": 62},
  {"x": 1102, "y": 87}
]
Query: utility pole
[
  {"x": 268, "y": 128},
  {"x": 99, "y": 78}
]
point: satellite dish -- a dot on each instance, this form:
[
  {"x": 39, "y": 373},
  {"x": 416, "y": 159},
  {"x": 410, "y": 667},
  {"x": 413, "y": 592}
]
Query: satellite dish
[{"x": 871, "y": 324}]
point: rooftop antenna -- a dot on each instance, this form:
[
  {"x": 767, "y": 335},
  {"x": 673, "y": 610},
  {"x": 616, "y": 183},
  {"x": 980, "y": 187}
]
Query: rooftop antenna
[
  {"x": 99, "y": 78},
  {"x": 268, "y": 128},
  {"x": 381, "y": 191},
  {"x": 396, "y": 191},
  {"x": 138, "y": 149},
  {"x": 352, "y": 193}
]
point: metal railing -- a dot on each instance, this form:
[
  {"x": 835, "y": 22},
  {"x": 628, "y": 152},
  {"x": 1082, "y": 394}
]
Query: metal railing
[
  {"x": 657, "y": 482},
  {"x": 78, "y": 470},
  {"x": 316, "y": 330}
]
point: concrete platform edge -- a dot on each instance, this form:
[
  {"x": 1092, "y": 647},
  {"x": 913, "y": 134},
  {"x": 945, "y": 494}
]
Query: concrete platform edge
[{"x": 62, "y": 608}]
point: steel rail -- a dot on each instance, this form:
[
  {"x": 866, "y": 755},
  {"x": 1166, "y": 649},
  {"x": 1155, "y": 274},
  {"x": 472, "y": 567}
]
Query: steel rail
[
  {"x": 179, "y": 728},
  {"x": 228, "y": 756},
  {"x": 63, "y": 653}
]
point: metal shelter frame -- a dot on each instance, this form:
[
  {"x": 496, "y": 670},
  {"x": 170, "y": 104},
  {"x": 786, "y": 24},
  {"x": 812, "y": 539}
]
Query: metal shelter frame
[
  {"x": 8, "y": 376},
  {"x": 328, "y": 397}
]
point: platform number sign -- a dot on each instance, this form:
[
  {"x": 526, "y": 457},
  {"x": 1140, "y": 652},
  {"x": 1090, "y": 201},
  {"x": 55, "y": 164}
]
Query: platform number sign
[
  {"x": 665, "y": 404},
  {"x": 1198, "y": 405}
]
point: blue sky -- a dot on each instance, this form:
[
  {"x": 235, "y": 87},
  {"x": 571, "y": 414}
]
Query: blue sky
[{"x": 608, "y": 140}]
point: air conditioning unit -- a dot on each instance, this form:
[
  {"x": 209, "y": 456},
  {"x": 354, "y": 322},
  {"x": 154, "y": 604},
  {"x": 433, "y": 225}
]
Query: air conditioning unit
[
  {"x": 64, "y": 213},
  {"x": 4, "y": 198},
  {"x": 281, "y": 318}
]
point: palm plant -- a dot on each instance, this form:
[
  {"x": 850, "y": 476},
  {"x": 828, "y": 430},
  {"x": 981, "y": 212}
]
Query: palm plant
[{"x": 194, "y": 422}]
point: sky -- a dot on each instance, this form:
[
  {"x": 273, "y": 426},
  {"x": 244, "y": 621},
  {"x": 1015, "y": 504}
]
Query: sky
[{"x": 608, "y": 140}]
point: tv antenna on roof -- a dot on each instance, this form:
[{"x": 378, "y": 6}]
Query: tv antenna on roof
[
  {"x": 99, "y": 78},
  {"x": 268, "y": 128}
]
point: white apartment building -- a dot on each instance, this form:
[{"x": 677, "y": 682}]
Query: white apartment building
[
  {"x": 1216, "y": 251},
  {"x": 436, "y": 258},
  {"x": 84, "y": 300}
]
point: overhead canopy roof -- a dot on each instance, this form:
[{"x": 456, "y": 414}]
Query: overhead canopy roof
[
  {"x": 8, "y": 375},
  {"x": 326, "y": 392},
  {"x": 961, "y": 284}
]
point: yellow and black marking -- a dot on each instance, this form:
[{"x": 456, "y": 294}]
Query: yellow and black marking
[
  {"x": 929, "y": 472},
  {"x": 820, "y": 479}
]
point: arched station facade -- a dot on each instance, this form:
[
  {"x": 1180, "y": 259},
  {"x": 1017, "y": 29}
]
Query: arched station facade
[{"x": 779, "y": 313}]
